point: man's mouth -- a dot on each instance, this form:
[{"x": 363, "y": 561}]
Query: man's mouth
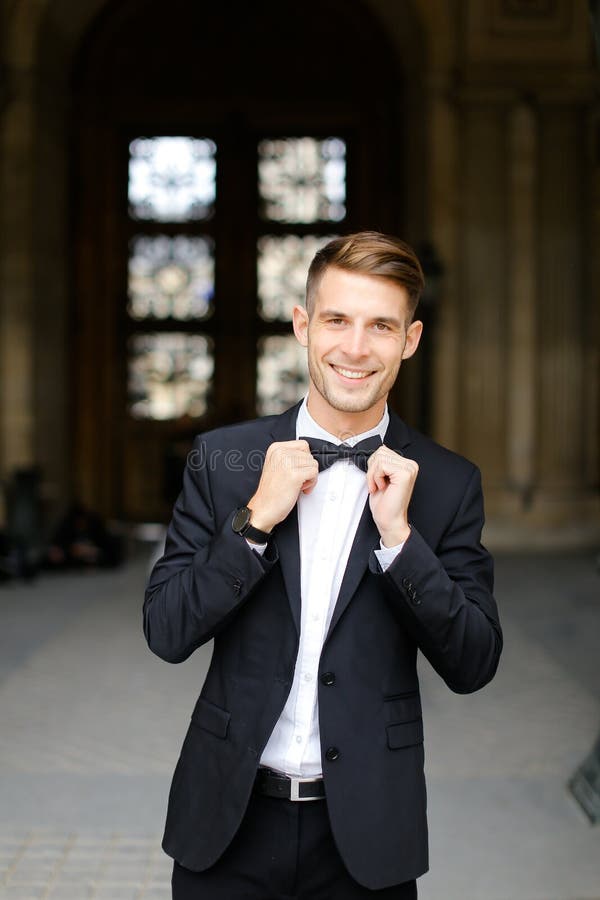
[{"x": 354, "y": 374}]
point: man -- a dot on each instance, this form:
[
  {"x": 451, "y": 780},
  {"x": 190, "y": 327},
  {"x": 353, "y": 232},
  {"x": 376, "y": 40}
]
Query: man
[{"x": 319, "y": 572}]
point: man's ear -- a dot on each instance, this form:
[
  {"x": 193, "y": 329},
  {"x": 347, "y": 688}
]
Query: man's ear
[
  {"x": 413, "y": 336},
  {"x": 300, "y": 320}
]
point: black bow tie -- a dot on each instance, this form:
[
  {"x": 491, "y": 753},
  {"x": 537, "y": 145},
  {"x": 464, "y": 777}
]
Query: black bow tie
[{"x": 327, "y": 453}]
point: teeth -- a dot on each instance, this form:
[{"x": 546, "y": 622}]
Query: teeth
[{"x": 347, "y": 373}]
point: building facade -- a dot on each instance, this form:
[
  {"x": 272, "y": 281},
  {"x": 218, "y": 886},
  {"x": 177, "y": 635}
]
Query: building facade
[{"x": 468, "y": 126}]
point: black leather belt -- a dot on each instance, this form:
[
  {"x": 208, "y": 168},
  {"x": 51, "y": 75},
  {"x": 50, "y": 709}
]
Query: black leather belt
[{"x": 275, "y": 784}]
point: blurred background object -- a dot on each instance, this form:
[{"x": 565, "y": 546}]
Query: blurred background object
[
  {"x": 82, "y": 540},
  {"x": 22, "y": 543},
  {"x": 585, "y": 784}
]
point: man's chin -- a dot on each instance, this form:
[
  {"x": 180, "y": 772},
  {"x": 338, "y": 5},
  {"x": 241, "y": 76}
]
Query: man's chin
[{"x": 350, "y": 404}]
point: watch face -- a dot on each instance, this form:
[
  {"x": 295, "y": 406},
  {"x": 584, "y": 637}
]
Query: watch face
[{"x": 241, "y": 519}]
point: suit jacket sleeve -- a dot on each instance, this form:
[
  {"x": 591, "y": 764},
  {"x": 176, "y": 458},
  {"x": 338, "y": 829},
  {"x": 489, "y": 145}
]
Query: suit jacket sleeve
[
  {"x": 445, "y": 599},
  {"x": 206, "y": 573}
]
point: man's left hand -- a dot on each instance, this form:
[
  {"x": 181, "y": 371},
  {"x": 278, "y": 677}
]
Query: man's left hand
[{"x": 391, "y": 479}]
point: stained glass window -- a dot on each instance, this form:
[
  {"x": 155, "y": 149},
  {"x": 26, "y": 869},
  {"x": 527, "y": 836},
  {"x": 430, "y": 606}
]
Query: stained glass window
[
  {"x": 302, "y": 179},
  {"x": 169, "y": 375},
  {"x": 282, "y": 376},
  {"x": 282, "y": 268},
  {"x": 170, "y": 277},
  {"x": 172, "y": 179}
]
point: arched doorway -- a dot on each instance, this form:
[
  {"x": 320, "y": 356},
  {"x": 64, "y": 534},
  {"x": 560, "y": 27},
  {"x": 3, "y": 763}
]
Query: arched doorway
[{"x": 212, "y": 150}]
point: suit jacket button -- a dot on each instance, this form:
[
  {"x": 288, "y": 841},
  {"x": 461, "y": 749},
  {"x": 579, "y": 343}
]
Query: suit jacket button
[
  {"x": 237, "y": 585},
  {"x": 332, "y": 753},
  {"x": 328, "y": 678}
]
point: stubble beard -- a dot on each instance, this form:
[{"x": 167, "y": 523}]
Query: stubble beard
[{"x": 344, "y": 403}]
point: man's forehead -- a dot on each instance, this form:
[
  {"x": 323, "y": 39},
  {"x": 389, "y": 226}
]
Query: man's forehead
[{"x": 343, "y": 290}]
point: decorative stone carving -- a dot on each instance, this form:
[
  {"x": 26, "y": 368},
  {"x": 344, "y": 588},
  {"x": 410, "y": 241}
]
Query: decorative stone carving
[{"x": 527, "y": 31}]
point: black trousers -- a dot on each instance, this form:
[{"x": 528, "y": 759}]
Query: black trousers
[{"x": 282, "y": 851}]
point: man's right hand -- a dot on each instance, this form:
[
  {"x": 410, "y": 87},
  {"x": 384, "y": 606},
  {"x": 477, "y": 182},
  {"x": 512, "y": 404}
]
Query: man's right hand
[{"x": 289, "y": 470}]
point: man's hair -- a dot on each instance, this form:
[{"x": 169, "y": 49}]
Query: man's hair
[{"x": 368, "y": 253}]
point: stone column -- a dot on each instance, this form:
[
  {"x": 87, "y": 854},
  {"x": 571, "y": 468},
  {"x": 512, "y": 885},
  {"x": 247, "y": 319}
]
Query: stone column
[
  {"x": 444, "y": 152},
  {"x": 561, "y": 331},
  {"x": 592, "y": 323},
  {"x": 482, "y": 325},
  {"x": 522, "y": 285},
  {"x": 33, "y": 252},
  {"x": 16, "y": 275}
]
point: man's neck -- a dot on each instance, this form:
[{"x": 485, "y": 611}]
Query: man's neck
[{"x": 345, "y": 424}]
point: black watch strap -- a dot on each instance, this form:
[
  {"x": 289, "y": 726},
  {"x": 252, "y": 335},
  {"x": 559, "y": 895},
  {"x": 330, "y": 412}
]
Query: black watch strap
[
  {"x": 256, "y": 535},
  {"x": 241, "y": 525}
]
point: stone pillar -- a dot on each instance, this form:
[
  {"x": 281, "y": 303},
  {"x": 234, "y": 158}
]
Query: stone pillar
[
  {"x": 53, "y": 356},
  {"x": 444, "y": 143},
  {"x": 33, "y": 252},
  {"x": 483, "y": 318},
  {"x": 16, "y": 276},
  {"x": 562, "y": 303},
  {"x": 549, "y": 496},
  {"x": 592, "y": 314},
  {"x": 522, "y": 286}
]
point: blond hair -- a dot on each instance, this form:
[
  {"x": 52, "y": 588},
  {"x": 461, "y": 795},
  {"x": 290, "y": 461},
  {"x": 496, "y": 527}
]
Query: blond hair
[{"x": 368, "y": 253}]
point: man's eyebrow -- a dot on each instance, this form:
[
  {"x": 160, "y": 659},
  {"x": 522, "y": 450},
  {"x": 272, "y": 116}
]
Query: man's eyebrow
[
  {"x": 333, "y": 314},
  {"x": 337, "y": 314}
]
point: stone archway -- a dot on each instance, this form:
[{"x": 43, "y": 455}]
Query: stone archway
[
  {"x": 260, "y": 83},
  {"x": 43, "y": 39}
]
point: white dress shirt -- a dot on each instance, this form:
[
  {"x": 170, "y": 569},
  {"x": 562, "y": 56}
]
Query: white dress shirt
[{"x": 327, "y": 521}]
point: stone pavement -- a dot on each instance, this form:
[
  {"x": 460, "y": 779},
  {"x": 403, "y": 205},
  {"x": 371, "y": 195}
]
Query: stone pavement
[{"x": 91, "y": 724}]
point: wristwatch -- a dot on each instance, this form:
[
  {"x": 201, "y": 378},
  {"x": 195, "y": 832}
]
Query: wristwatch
[{"x": 241, "y": 525}]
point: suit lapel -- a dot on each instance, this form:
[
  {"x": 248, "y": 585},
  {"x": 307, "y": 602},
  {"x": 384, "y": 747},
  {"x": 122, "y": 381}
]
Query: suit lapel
[
  {"x": 365, "y": 539},
  {"x": 397, "y": 437},
  {"x": 286, "y": 533},
  {"x": 288, "y": 547}
]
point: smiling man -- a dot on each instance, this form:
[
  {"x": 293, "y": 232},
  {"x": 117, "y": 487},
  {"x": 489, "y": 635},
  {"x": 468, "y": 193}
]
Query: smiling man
[
  {"x": 358, "y": 330},
  {"x": 320, "y": 574}
]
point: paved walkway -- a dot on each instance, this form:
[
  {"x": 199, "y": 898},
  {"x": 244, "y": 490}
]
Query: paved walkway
[{"x": 91, "y": 724}]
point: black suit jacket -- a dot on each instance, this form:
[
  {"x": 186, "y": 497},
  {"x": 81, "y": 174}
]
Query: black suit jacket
[{"x": 436, "y": 596}]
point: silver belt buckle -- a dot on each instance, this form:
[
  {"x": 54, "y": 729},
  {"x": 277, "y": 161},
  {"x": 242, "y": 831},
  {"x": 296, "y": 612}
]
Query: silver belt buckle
[{"x": 295, "y": 789}]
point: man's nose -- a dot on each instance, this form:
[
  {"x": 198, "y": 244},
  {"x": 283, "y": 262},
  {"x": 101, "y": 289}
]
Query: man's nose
[{"x": 356, "y": 342}]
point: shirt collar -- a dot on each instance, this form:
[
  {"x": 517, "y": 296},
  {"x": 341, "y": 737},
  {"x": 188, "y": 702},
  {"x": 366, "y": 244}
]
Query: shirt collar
[{"x": 307, "y": 427}]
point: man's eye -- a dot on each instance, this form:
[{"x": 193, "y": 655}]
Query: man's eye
[
  {"x": 336, "y": 321},
  {"x": 381, "y": 326}
]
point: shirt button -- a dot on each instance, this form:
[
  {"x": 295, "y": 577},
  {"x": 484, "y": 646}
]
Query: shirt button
[
  {"x": 298, "y": 738},
  {"x": 316, "y": 617},
  {"x": 307, "y": 676},
  {"x": 333, "y": 496}
]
